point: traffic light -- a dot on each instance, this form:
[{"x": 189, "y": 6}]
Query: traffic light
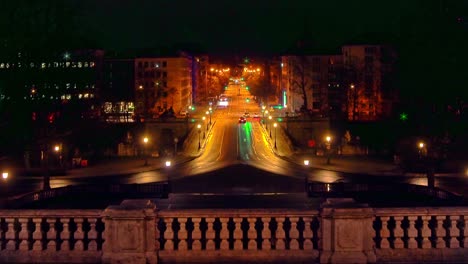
[
  {"x": 225, "y": 87},
  {"x": 403, "y": 116},
  {"x": 247, "y": 88},
  {"x": 247, "y": 100}
]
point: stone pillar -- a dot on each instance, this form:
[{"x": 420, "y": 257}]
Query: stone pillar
[
  {"x": 347, "y": 233},
  {"x": 130, "y": 233}
]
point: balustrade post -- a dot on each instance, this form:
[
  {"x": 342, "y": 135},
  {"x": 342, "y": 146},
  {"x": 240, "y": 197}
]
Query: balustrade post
[
  {"x": 308, "y": 234},
  {"x": 169, "y": 234},
  {"x": 23, "y": 234},
  {"x": 252, "y": 234},
  {"x": 465, "y": 233},
  {"x": 92, "y": 234},
  {"x": 384, "y": 232},
  {"x": 440, "y": 231},
  {"x": 426, "y": 232},
  {"x": 347, "y": 235},
  {"x": 79, "y": 235},
  {"x": 294, "y": 233},
  {"x": 196, "y": 234},
  {"x": 266, "y": 233},
  {"x": 398, "y": 232},
  {"x": 412, "y": 232},
  {"x": 65, "y": 234},
  {"x": 37, "y": 234},
  {"x": 454, "y": 232},
  {"x": 237, "y": 233},
  {"x": 130, "y": 233},
  {"x": 10, "y": 234},
  {"x": 224, "y": 233},
  {"x": 210, "y": 234},
  {"x": 280, "y": 234},
  {"x": 182, "y": 233},
  {"x": 51, "y": 235}
]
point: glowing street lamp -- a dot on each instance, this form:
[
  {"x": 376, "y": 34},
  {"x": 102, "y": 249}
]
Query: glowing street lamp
[
  {"x": 145, "y": 143},
  {"x": 306, "y": 162},
  {"x": 5, "y": 175},
  {"x": 328, "y": 145},
  {"x": 198, "y": 127}
]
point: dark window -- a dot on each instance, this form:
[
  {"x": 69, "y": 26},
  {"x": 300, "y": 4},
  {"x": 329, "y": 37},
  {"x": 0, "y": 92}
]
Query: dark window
[
  {"x": 164, "y": 63},
  {"x": 164, "y": 74},
  {"x": 140, "y": 64}
]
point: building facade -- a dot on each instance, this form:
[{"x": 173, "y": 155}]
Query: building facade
[
  {"x": 369, "y": 79},
  {"x": 162, "y": 84}
]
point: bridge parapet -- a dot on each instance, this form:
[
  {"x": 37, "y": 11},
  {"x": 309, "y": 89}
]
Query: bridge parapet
[{"x": 135, "y": 231}]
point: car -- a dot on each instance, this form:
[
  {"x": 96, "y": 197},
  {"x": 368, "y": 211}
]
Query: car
[
  {"x": 242, "y": 120},
  {"x": 246, "y": 114},
  {"x": 184, "y": 113},
  {"x": 256, "y": 116}
]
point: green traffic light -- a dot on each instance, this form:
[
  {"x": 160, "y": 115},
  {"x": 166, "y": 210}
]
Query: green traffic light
[
  {"x": 403, "y": 116},
  {"x": 246, "y": 87}
]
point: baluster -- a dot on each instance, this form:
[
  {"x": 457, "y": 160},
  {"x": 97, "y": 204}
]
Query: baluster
[
  {"x": 79, "y": 235},
  {"x": 266, "y": 233},
  {"x": 252, "y": 234},
  {"x": 426, "y": 232},
  {"x": 65, "y": 234},
  {"x": 237, "y": 233},
  {"x": 294, "y": 233},
  {"x": 210, "y": 234},
  {"x": 384, "y": 232},
  {"x": 454, "y": 232},
  {"x": 465, "y": 233},
  {"x": 92, "y": 234},
  {"x": 51, "y": 235},
  {"x": 280, "y": 234},
  {"x": 169, "y": 234},
  {"x": 308, "y": 234},
  {"x": 224, "y": 233},
  {"x": 37, "y": 234},
  {"x": 10, "y": 234},
  {"x": 398, "y": 232},
  {"x": 23, "y": 234},
  {"x": 440, "y": 231},
  {"x": 157, "y": 235},
  {"x": 183, "y": 233},
  {"x": 196, "y": 234},
  {"x": 412, "y": 232}
]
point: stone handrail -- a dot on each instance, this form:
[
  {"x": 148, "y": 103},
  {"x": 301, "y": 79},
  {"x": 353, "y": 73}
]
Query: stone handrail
[
  {"x": 242, "y": 234},
  {"x": 32, "y": 236},
  {"x": 421, "y": 234},
  {"x": 340, "y": 231}
]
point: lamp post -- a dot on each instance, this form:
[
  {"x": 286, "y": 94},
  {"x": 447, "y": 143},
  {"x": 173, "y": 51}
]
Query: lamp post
[
  {"x": 58, "y": 150},
  {"x": 427, "y": 163},
  {"x": 145, "y": 143},
  {"x": 275, "y": 125},
  {"x": 328, "y": 146},
  {"x": 269, "y": 121},
  {"x": 175, "y": 145},
  {"x": 208, "y": 123},
  {"x": 198, "y": 127},
  {"x": 210, "y": 109},
  {"x": 264, "y": 113},
  {"x": 204, "y": 119}
]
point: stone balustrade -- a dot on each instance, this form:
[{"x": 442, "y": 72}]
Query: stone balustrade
[
  {"x": 340, "y": 231},
  {"x": 66, "y": 236},
  {"x": 259, "y": 235}
]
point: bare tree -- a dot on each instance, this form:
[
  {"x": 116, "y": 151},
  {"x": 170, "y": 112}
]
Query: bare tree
[{"x": 301, "y": 79}]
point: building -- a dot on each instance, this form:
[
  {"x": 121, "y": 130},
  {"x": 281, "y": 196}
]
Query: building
[
  {"x": 117, "y": 94},
  {"x": 52, "y": 85},
  {"x": 315, "y": 77},
  {"x": 162, "y": 84},
  {"x": 369, "y": 76}
]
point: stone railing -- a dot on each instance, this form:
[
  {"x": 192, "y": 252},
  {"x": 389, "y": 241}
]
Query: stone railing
[
  {"x": 245, "y": 235},
  {"x": 421, "y": 234},
  {"x": 47, "y": 236},
  {"x": 340, "y": 231}
]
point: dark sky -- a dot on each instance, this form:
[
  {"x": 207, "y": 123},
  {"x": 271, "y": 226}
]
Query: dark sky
[{"x": 224, "y": 25}]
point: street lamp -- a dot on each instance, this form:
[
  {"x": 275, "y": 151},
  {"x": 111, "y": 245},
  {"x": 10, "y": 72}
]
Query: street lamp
[
  {"x": 306, "y": 162},
  {"x": 275, "y": 125},
  {"x": 421, "y": 146},
  {"x": 269, "y": 121},
  {"x": 210, "y": 110},
  {"x": 427, "y": 163},
  {"x": 328, "y": 146},
  {"x": 204, "y": 118},
  {"x": 58, "y": 150},
  {"x": 198, "y": 127},
  {"x": 264, "y": 113},
  {"x": 5, "y": 175},
  {"x": 145, "y": 142}
]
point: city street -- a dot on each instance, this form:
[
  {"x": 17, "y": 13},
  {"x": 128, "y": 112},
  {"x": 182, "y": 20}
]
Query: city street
[{"x": 231, "y": 158}]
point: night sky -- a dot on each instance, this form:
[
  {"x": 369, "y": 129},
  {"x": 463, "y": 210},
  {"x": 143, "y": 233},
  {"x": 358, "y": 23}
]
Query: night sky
[{"x": 266, "y": 25}]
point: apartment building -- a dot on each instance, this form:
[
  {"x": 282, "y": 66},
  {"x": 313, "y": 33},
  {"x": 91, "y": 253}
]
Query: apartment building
[
  {"x": 162, "y": 84},
  {"x": 369, "y": 81}
]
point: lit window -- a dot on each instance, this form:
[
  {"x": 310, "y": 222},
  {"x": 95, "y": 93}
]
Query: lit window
[
  {"x": 91, "y": 95},
  {"x": 91, "y": 64},
  {"x": 43, "y": 65},
  {"x": 8, "y": 65},
  {"x": 56, "y": 64},
  {"x": 67, "y": 64},
  {"x": 2, "y": 65},
  {"x": 85, "y": 64},
  {"x": 80, "y": 64},
  {"x": 86, "y": 95},
  {"x": 79, "y": 96},
  {"x": 73, "y": 64},
  {"x": 62, "y": 97},
  {"x": 68, "y": 96},
  {"x": 31, "y": 65}
]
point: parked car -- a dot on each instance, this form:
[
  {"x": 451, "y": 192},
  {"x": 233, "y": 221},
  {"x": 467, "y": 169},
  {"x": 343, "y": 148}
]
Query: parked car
[{"x": 242, "y": 120}]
